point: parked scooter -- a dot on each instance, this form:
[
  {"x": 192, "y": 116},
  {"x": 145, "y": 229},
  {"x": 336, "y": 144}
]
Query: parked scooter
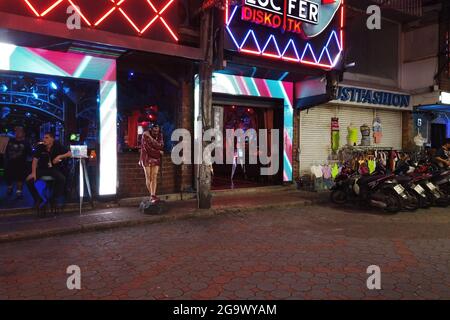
[
  {"x": 437, "y": 193},
  {"x": 413, "y": 184},
  {"x": 380, "y": 191}
]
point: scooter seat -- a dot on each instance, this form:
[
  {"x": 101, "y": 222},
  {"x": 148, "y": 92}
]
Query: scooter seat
[
  {"x": 369, "y": 179},
  {"x": 403, "y": 179}
]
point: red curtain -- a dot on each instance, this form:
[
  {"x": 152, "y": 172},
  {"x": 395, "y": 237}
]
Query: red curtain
[
  {"x": 132, "y": 129},
  {"x": 268, "y": 122}
]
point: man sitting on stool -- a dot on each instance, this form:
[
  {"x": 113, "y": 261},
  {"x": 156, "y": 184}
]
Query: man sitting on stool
[{"x": 47, "y": 160}]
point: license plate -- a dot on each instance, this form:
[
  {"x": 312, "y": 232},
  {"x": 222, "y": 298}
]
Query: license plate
[
  {"x": 399, "y": 189},
  {"x": 431, "y": 186},
  {"x": 419, "y": 189}
]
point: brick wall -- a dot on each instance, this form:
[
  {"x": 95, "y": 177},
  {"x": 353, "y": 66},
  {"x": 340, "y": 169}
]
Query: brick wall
[
  {"x": 407, "y": 131},
  {"x": 132, "y": 178}
]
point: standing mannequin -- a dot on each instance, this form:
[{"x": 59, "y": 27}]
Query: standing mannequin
[
  {"x": 365, "y": 135},
  {"x": 150, "y": 159}
]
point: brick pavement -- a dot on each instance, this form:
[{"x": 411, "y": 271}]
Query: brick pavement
[
  {"x": 306, "y": 253},
  {"x": 26, "y": 226}
]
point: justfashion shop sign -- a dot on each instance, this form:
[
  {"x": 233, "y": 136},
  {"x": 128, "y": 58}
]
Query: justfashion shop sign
[{"x": 373, "y": 98}]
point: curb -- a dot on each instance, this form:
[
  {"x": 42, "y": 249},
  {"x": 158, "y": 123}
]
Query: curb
[{"x": 103, "y": 226}]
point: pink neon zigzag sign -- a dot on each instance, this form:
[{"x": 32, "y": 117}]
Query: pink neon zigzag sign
[
  {"x": 114, "y": 6},
  {"x": 308, "y": 55}
]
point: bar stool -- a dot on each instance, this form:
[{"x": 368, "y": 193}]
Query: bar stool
[{"x": 48, "y": 192}]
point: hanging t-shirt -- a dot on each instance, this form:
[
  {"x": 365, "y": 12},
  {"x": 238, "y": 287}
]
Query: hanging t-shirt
[
  {"x": 335, "y": 171},
  {"x": 352, "y": 136},
  {"x": 377, "y": 131},
  {"x": 326, "y": 170}
]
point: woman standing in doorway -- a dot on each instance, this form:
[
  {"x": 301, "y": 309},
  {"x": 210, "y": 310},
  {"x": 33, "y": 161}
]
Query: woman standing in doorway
[{"x": 151, "y": 151}]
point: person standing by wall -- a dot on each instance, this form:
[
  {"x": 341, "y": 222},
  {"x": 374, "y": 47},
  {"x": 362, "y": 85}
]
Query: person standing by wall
[
  {"x": 17, "y": 152},
  {"x": 151, "y": 151}
]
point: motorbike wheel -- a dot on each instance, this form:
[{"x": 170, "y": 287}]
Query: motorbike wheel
[
  {"x": 412, "y": 203},
  {"x": 338, "y": 197},
  {"x": 424, "y": 202},
  {"x": 393, "y": 201}
]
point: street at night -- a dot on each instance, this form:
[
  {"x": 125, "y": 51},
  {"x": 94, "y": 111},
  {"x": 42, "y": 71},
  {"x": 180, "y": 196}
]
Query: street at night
[
  {"x": 213, "y": 159},
  {"x": 314, "y": 252}
]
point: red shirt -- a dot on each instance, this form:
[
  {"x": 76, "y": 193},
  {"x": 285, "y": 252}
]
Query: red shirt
[{"x": 151, "y": 150}]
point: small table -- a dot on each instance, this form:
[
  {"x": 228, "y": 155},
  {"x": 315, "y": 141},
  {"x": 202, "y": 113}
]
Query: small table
[{"x": 80, "y": 153}]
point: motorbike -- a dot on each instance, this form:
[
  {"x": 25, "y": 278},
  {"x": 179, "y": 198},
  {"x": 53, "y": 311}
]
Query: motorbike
[
  {"x": 413, "y": 184},
  {"x": 436, "y": 184},
  {"x": 441, "y": 178},
  {"x": 379, "y": 191}
]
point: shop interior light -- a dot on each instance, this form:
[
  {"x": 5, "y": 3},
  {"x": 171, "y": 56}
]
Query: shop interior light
[
  {"x": 53, "y": 86},
  {"x": 445, "y": 97}
]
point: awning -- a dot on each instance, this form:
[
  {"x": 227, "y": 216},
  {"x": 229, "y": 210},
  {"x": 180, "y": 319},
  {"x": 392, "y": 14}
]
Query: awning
[{"x": 434, "y": 108}]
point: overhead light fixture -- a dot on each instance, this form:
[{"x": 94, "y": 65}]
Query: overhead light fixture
[
  {"x": 53, "y": 86},
  {"x": 445, "y": 97}
]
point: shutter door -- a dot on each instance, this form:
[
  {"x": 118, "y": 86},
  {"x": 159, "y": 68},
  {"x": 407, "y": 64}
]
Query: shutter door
[
  {"x": 315, "y": 136},
  {"x": 391, "y": 122},
  {"x": 315, "y": 131}
]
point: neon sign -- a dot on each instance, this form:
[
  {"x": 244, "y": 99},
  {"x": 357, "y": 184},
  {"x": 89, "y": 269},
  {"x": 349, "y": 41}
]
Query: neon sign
[
  {"x": 96, "y": 14},
  {"x": 288, "y": 15},
  {"x": 309, "y": 32}
]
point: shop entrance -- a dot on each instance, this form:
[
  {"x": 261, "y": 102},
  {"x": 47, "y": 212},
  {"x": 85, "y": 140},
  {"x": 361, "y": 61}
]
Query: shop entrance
[
  {"x": 244, "y": 114},
  {"x": 438, "y": 135}
]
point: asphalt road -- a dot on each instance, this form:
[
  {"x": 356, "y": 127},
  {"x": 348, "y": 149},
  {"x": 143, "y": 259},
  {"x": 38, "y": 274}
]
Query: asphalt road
[{"x": 307, "y": 253}]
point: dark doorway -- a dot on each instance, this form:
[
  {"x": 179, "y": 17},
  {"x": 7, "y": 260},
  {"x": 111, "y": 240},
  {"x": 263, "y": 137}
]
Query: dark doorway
[
  {"x": 438, "y": 135},
  {"x": 246, "y": 116}
]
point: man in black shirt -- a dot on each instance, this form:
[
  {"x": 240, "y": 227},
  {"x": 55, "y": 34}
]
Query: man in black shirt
[
  {"x": 17, "y": 152},
  {"x": 441, "y": 157},
  {"x": 47, "y": 160}
]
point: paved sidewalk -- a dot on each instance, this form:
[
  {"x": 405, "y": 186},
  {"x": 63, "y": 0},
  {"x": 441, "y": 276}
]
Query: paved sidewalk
[{"x": 26, "y": 226}]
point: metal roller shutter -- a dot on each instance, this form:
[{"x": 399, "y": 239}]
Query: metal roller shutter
[{"x": 315, "y": 135}]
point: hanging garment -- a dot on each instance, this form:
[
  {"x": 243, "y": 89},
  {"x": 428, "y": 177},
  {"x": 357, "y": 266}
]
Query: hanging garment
[
  {"x": 335, "y": 136},
  {"x": 335, "y": 171},
  {"x": 393, "y": 161},
  {"x": 326, "y": 170},
  {"x": 317, "y": 171},
  {"x": 419, "y": 140},
  {"x": 371, "y": 164},
  {"x": 377, "y": 131},
  {"x": 365, "y": 135},
  {"x": 352, "y": 137}
]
